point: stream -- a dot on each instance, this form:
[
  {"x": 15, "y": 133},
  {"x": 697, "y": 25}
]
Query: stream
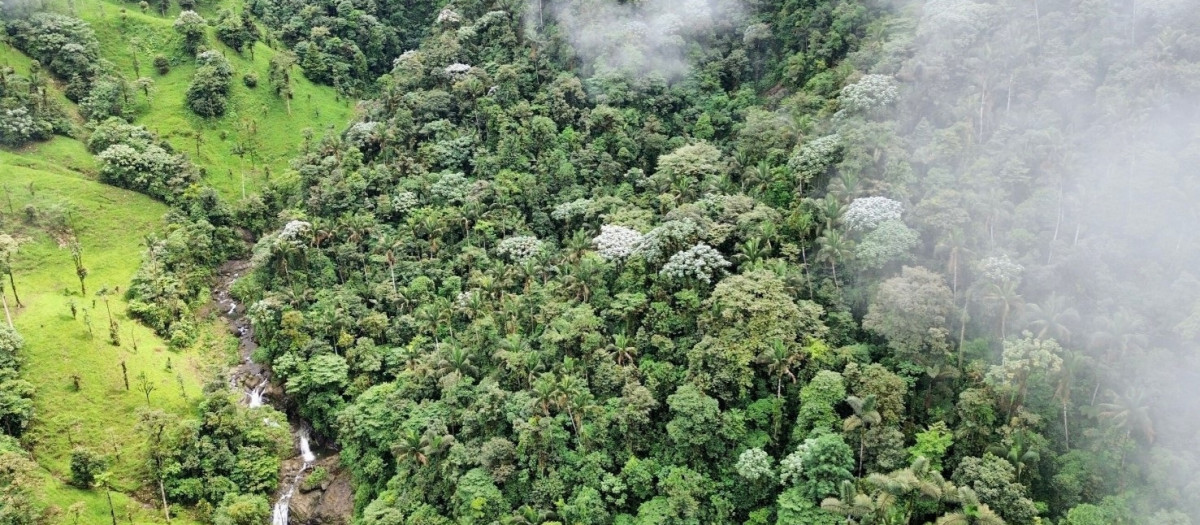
[{"x": 255, "y": 380}]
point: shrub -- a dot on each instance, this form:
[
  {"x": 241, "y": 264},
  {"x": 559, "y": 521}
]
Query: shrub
[
  {"x": 250, "y": 80},
  {"x": 162, "y": 65},
  {"x": 85, "y": 466}
]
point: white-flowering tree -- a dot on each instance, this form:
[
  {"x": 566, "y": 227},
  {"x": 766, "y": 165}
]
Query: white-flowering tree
[
  {"x": 1000, "y": 269},
  {"x": 520, "y": 248},
  {"x": 404, "y": 201},
  {"x": 867, "y": 213},
  {"x": 701, "y": 262},
  {"x": 755, "y": 464},
  {"x": 294, "y": 232},
  {"x": 616, "y": 243},
  {"x": 192, "y": 26},
  {"x": 569, "y": 211},
  {"x": 452, "y": 187},
  {"x": 813, "y": 158},
  {"x": 1022, "y": 360},
  {"x": 890, "y": 241},
  {"x": 668, "y": 237},
  {"x": 871, "y": 92}
]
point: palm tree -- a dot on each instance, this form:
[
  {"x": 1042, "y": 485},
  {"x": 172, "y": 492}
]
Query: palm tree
[
  {"x": 780, "y": 358},
  {"x": 752, "y": 251},
  {"x": 457, "y": 362},
  {"x": 865, "y": 415},
  {"x": 954, "y": 246},
  {"x": 1052, "y": 318},
  {"x": 918, "y": 485},
  {"x": 1019, "y": 453},
  {"x": 411, "y": 447},
  {"x": 1119, "y": 334},
  {"x": 858, "y": 508},
  {"x": 527, "y": 515},
  {"x": 1004, "y": 297},
  {"x": 1072, "y": 363},
  {"x": 623, "y": 348},
  {"x": 834, "y": 247},
  {"x": 972, "y": 511},
  {"x": 1130, "y": 411}
]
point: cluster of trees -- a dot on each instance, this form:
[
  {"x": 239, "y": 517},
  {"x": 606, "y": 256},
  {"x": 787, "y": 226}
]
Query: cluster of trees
[
  {"x": 208, "y": 94},
  {"x": 855, "y": 266},
  {"x": 513, "y": 294},
  {"x": 19, "y": 497},
  {"x": 27, "y": 113},
  {"x": 225, "y": 461},
  {"x": 347, "y": 43},
  {"x": 132, "y": 157}
]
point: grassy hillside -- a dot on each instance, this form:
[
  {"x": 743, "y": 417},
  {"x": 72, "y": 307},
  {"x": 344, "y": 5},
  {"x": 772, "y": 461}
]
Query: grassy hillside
[
  {"x": 257, "y": 119},
  {"x": 102, "y": 414}
]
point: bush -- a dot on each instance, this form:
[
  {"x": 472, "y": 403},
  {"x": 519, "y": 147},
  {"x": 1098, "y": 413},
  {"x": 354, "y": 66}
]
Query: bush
[
  {"x": 250, "y": 80},
  {"x": 162, "y": 65},
  {"x": 207, "y": 96},
  {"x": 85, "y": 466},
  {"x": 192, "y": 27},
  {"x": 314, "y": 479}
]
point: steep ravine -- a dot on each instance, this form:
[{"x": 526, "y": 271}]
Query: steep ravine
[{"x": 330, "y": 502}]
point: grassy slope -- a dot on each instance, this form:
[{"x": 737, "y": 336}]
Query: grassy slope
[
  {"x": 256, "y": 116},
  {"x": 110, "y": 223}
]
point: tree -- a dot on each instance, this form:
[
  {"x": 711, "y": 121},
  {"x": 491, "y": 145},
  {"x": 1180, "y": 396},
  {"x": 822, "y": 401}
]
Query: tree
[
  {"x": 823, "y": 462},
  {"x": 1024, "y": 359},
  {"x": 80, "y": 270},
  {"x": 208, "y": 92},
  {"x": 865, "y": 416},
  {"x": 279, "y": 73},
  {"x": 193, "y": 27},
  {"x": 86, "y": 466},
  {"x": 8, "y": 251},
  {"x": 746, "y": 317},
  {"x": 242, "y": 509},
  {"x": 146, "y": 386},
  {"x": 993, "y": 480},
  {"x": 18, "y": 482},
  {"x": 910, "y": 311},
  {"x": 694, "y": 416}
]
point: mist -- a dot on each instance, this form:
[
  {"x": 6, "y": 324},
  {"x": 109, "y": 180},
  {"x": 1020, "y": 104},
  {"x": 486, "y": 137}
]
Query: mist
[
  {"x": 1068, "y": 131},
  {"x": 636, "y": 39}
]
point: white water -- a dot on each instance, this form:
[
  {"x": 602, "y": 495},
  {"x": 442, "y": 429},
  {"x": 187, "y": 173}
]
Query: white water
[
  {"x": 256, "y": 395},
  {"x": 279, "y": 514}
]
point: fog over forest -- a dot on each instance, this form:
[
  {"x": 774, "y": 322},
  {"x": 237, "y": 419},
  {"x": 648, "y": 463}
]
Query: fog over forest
[{"x": 600, "y": 262}]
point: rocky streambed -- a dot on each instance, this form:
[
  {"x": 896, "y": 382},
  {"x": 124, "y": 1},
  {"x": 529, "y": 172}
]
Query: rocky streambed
[{"x": 314, "y": 489}]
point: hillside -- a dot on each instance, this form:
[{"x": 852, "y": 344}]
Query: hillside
[
  {"x": 255, "y": 139},
  {"x": 601, "y": 262},
  {"x": 52, "y": 181}
]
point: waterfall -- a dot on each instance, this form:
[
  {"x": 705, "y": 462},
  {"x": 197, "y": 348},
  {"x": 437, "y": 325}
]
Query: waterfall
[
  {"x": 279, "y": 514},
  {"x": 256, "y": 394},
  {"x": 305, "y": 451}
]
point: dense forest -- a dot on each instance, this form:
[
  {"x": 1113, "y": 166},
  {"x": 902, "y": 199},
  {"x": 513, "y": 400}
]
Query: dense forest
[{"x": 590, "y": 262}]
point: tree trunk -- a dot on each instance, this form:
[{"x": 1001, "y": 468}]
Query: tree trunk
[
  {"x": 111, "y": 510},
  {"x": 14, "y": 289},
  {"x": 1066, "y": 430},
  {"x": 166, "y": 507},
  {"x": 7, "y": 314}
]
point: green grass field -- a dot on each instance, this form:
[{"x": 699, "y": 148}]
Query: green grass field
[
  {"x": 110, "y": 223},
  {"x": 257, "y": 119}
]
